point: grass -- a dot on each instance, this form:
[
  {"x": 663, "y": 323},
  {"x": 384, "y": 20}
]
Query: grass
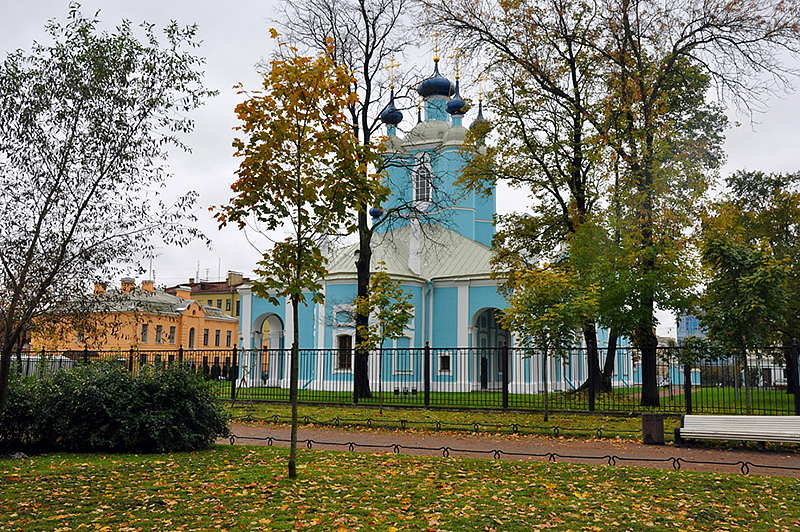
[
  {"x": 568, "y": 425},
  {"x": 243, "y": 488},
  {"x": 620, "y": 400}
]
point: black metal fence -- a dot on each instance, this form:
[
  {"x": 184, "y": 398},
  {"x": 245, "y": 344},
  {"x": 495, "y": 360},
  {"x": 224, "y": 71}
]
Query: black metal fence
[{"x": 758, "y": 382}]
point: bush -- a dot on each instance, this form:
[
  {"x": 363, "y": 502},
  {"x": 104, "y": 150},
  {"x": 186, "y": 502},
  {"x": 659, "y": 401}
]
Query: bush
[
  {"x": 102, "y": 406},
  {"x": 18, "y": 418}
]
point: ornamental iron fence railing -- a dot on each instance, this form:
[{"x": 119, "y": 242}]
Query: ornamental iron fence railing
[{"x": 756, "y": 382}]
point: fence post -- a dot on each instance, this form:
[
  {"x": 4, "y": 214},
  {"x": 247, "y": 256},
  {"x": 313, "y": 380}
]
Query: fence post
[
  {"x": 687, "y": 386},
  {"x": 506, "y": 380},
  {"x": 180, "y": 352},
  {"x": 130, "y": 360},
  {"x": 234, "y": 374},
  {"x": 591, "y": 364},
  {"x": 427, "y": 363},
  {"x": 794, "y": 375},
  {"x": 85, "y": 354}
]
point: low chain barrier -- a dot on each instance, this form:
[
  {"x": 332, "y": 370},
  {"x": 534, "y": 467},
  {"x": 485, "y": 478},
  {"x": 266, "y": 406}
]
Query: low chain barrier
[
  {"x": 403, "y": 424},
  {"x": 676, "y": 463}
]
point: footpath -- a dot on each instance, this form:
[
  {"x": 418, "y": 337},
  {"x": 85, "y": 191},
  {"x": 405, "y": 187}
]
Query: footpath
[{"x": 607, "y": 452}]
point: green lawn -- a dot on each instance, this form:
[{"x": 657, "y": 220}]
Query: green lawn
[
  {"x": 620, "y": 400},
  {"x": 567, "y": 425},
  {"x": 244, "y": 488}
]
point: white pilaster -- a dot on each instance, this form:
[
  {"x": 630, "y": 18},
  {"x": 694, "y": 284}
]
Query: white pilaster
[
  {"x": 414, "y": 251},
  {"x": 246, "y": 318}
]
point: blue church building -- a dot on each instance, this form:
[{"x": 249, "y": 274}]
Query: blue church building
[{"x": 438, "y": 244}]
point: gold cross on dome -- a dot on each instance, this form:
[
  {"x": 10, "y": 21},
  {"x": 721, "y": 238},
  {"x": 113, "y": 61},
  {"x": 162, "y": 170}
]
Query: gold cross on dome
[
  {"x": 457, "y": 56},
  {"x": 390, "y": 67},
  {"x": 479, "y": 80},
  {"x": 436, "y": 47}
]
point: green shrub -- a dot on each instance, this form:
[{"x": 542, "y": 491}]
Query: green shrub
[
  {"x": 18, "y": 417},
  {"x": 102, "y": 406}
]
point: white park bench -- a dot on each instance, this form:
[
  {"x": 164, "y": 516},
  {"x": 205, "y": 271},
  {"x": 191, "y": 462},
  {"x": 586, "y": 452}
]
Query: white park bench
[{"x": 760, "y": 429}]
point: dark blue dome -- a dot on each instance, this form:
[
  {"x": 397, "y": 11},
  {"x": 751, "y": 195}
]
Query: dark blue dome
[
  {"x": 436, "y": 85},
  {"x": 376, "y": 212},
  {"x": 456, "y": 106},
  {"x": 479, "y": 120},
  {"x": 391, "y": 115}
]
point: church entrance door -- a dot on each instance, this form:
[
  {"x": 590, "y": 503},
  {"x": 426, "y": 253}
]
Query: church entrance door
[{"x": 490, "y": 338}]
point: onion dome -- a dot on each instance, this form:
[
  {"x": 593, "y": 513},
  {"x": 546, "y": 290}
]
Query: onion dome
[
  {"x": 436, "y": 85},
  {"x": 391, "y": 115},
  {"x": 479, "y": 120},
  {"x": 376, "y": 212},
  {"x": 456, "y": 106}
]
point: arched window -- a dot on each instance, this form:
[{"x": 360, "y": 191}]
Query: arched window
[
  {"x": 423, "y": 179},
  {"x": 191, "y": 338}
]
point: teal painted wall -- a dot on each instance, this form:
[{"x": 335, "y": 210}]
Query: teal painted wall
[{"x": 445, "y": 316}]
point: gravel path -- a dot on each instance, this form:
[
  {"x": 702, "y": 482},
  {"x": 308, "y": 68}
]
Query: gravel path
[{"x": 597, "y": 452}]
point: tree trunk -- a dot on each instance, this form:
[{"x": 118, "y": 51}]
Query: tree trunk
[
  {"x": 611, "y": 355},
  {"x": 593, "y": 362},
  {"x": 361, "y": 363},
  {"x": 5, "y": 372},
  {"x": 647, "y": 343},
  {"x": 9, "y": 341},
  {"x": 293, "y": 381}
]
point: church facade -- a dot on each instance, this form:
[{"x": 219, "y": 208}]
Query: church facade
[
  {"x": 435, "y": 239},
  {"x": 437, "y": 243}
]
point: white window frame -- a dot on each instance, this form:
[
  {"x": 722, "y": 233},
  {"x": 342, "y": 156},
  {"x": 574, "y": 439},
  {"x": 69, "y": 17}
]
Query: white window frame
[
  {"x": 422, "y": 198},
  {"x": 338, "y": 333}
]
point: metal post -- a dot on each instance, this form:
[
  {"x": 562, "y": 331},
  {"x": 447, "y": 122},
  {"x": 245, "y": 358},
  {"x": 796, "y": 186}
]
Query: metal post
[
  {"x": 687, "y": 387},
  {"x": 795, "y": 376},
  {"x": 85, "y": 354},
  {"x": 427, "y": 362},
  {"x": 353, "y": 375},
  {"x": 504, "y": 364},
  {"x": 180, "y": 352},
  {"x": 130, "y": 360},
  {"x": 234, "y": 374},
  {"x": 592, "y": 364}
]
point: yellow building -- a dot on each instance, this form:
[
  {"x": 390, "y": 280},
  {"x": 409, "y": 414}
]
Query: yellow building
[
  {"x": 221, "y": 295},
  {"x": 143, "y": 318}
]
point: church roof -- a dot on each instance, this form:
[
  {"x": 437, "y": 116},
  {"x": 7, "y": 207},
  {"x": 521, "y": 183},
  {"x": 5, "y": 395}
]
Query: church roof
[{"x": 444, "y": 255}]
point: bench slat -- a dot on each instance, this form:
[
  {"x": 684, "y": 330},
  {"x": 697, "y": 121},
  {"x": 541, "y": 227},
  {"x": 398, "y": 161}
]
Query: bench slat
[{"x": 745, "y": 428}]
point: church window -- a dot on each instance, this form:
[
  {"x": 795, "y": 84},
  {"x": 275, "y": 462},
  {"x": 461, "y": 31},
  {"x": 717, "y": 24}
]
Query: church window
[
  {"x": 423, "y": 179},
  {"x": 402, "y": 362},
  {"x": 344, "y": 344},
  {"x": 445, "y": 362}
]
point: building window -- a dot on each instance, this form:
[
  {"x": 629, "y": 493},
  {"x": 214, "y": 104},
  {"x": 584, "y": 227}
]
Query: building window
[
  {"x": 219, "y": 303},
  {"x": 172, "y": 335},
  {"x": 423, "y": 179},
  {"x": 159, "y": 334},
  {"x": 210, "y": 302},
  {"x": 344, "y": 344},
  {"x": 227, "y": 305},
  {"x": 216, "y": 338},
  {"x": 144, "y": 333},
  {"x": 228, "y": 339},
  {"x": 191, "y": 338},
  {"x": 445, "y": 363},
  {"x": 238, "y": 307},
  {"x": 205, "y": 337},
  {"x": 403, "y": 355}
]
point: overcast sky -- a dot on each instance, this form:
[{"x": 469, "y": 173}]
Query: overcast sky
[{"x": 235, "y": 37}]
